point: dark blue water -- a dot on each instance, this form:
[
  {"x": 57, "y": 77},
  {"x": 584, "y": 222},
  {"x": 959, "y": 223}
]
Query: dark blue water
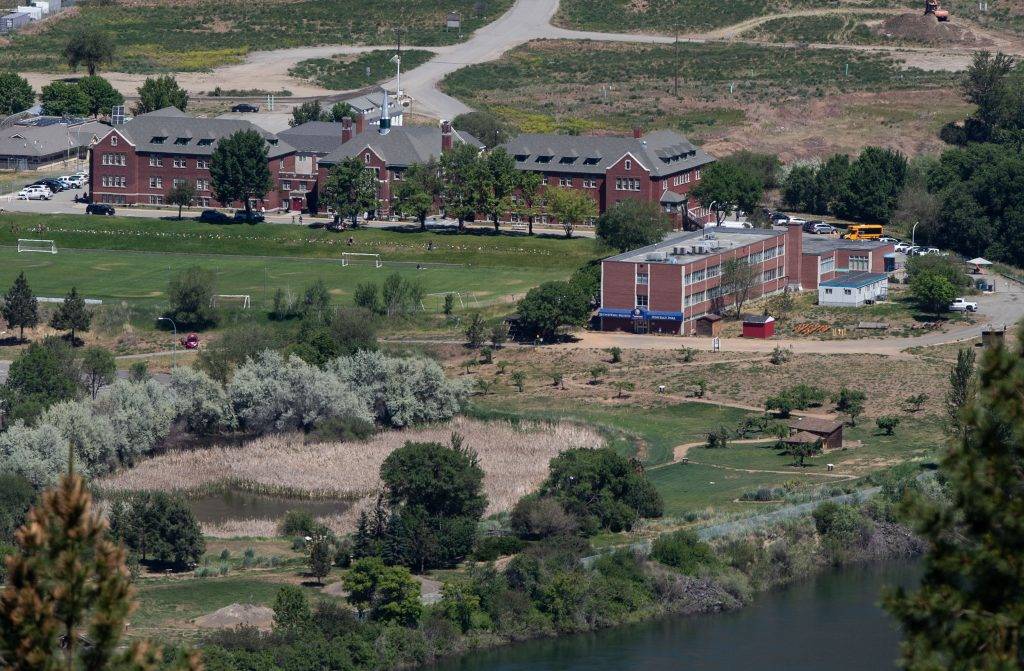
[{"x": 829, "y": 622}]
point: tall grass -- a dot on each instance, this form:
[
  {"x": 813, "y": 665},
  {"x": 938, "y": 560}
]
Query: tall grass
[{"x": 514, "y": 458}]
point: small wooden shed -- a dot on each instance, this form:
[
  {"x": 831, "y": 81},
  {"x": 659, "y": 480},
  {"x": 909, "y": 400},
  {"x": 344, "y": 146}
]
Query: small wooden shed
[
  {"x": 758, "y": 326},
  {"x": 709, "y": 325},
  {"x": 829, "y": 431}
]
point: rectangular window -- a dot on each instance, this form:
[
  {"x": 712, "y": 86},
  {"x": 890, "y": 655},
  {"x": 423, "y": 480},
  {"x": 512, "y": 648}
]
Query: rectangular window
[
  {"x": 696, "y": 298},
  {"x": 156, "y": 183},
  {"x": 826, "y": 265},
  {"x": 642, "y": 278},
  {"x": 641, "y": 300},
  {"x": 828, "y": 291},
  {"x": 179, "y": 163},
  {"x": 564, "y": 181},
  {"x": 179, "y": 182},
  {"x": 713, "y": 271},
  {"x": 769, "y": 275},
  {"x": 696, "y": 276},
  {"x": 113, "y": 140},
  {"x": 628, "y": 164},
  {"x": 286, "y": 186},
  {"x": 202, "y": 164},
  {"x": 156, "y": 200},
  {"x": 858, "y": 263},
  {"x": 202, "y": 185},
  {"x": 156, "y": 162},
  {"x": 848, "y": 292}
]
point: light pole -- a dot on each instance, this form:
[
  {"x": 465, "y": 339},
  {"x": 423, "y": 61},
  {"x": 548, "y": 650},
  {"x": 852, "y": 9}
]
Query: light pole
[
  {"x": 174, "y": 352},
  {"x": 913, "y": 234}
]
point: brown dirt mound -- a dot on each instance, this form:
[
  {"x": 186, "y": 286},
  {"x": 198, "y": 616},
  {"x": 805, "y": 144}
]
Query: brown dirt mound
[
  {"x": 927, "y": 30},
  {"x": 237, "y": 614}
]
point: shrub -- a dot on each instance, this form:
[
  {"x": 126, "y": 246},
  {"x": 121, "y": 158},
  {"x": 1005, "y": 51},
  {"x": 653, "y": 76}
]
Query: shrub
[
  {"x": 191, "y": 294},
  {"x": 343, "y": 430},
  {"x": 291, "y": 609},
  {"x": 538, "y": 517},
  {"x": 843, "y": 528},
  {"x": 201, "y": 402},
  {"x": 37, "y": 454},
  {"x": 140, "y": 414},
  {"x": 90, "y": 435},
  {"x": 887, "y": 424},
  {"x": 158, "y": 526},
  {"x": 684, "y": 551},
  {"x": 17, "y": 496},
  {"x": 489, "y": 548},
  {"x": 299, "y": 523}
]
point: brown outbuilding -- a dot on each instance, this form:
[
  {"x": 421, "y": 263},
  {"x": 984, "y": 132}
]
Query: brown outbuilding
[{"x": 828, "y": 431}]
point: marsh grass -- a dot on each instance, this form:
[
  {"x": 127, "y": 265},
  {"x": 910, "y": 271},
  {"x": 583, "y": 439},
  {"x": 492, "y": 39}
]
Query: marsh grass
[{"x": 514, "y": 458}]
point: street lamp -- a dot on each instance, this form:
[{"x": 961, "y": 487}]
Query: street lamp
[
  {"x": 174, "y": 352},
  {"x": 913, "y": 233}
]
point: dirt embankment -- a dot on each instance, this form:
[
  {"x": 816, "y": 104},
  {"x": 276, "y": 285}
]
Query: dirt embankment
[{"x": 923, "y": 29}]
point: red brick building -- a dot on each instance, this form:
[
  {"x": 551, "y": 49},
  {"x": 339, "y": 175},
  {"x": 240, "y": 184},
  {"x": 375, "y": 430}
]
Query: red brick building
[
  {"x": 390, "y": 154},
  {"x": 668, "y": 286},
  {"x": 824, "y": 258},
  {"x": 137, "y": 163},
  {"x": 661, "y": 167}
]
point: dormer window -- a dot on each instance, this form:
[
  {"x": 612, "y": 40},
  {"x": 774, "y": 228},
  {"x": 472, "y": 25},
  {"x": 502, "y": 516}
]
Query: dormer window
[
  {"x": 205, "y": 142},
  {"x": 272, "y": 141},
  {"x": 522, "y": 157},
  {"x": 181, "y": 141},
  {"x": 543, "y": 159},
  {"x": 567, "y": 160},
  {"x": 159, "y": 139},
  {"x": 592, "y": 160}
]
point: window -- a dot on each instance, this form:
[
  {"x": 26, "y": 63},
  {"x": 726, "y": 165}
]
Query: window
[
  {"x": 714, "y": 271},
  {"x": 696, "y": 174},
  {"x": 627, "y": 184},
  {"x": 181, "y": 141},
  {"x": 543, "y": 159},
  {"x": 113, "y": 140},
  {"x": 565, "y": 181},
  {"x": 522, "y": 157},
  {"x": 590, "y": 184},
  {"x": 114, "y": 181},
  {"x": 848, "y": 292},
  {"x": 156, "y": 200},
  {"x": 567, "y": 160},
  {"x": 202, "y": 164},
  {"x": 286, "y": 186},
  {"x": 828, "y": 291},
  {"x": 858, "y": 263},
  {"x": 641, "y": 300},
  {"x": 696, "y": 276},
  {"x": 179, "y": 182},
  {"x": 113, "y": 159},
  {"x": 156, "y": 183},
  {"x": 366, "y": 157},
  {"x": 628, "y": 165},
  {"x": 681, "y": 179},
  {"x": 591, "y": 160},
  {"x": 202, "y": 185},
  {"x": 179, "y": 163},
  {"x": 642, "y": 278},
  {"x": 159, "y": 139},
  {"x": 770, "y": 274},
  {"x": 696, "y": 298},
  {"x": 156, "y": 162},
  {"x": 826, "y": 265},
  {"x": 303, "y": 186},
  {"x": 205, "y": 142}
]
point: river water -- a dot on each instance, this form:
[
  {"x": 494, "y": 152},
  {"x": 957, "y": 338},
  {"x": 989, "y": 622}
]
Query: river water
[{"x": 832, "y": 621}]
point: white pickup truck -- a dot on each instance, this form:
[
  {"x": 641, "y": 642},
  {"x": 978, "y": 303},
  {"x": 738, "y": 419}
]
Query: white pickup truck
[{"x": 963, "y": 305}]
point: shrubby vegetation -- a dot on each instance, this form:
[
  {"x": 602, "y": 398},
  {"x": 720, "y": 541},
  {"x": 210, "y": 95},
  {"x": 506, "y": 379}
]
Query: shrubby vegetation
[{"x": 157, "y": 527}]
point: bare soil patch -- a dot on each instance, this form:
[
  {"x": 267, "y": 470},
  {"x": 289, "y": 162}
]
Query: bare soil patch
[
  {"x": 236, "y": 615},
  {"x": 918, "y": 28}
]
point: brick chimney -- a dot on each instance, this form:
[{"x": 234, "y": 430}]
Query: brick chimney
[
  {"x": 360, "y": 123},
  {"x": 794, "y": 253},
  {"x": 346, "y": 129},
  {"x": 638, "y": 132},
  {"x": 446, "y": 135}
]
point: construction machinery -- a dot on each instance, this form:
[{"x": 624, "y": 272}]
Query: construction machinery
[{"x": 932, "y": 7}]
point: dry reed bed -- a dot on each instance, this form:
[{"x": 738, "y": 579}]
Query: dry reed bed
[{"x": 514, "y": 459}]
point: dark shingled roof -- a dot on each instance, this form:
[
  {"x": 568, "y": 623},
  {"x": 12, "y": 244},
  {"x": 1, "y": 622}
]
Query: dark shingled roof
[
  {"x": 663, "y": 152},
  {"x": 802, "y": 437},
  {"x": 316, "y": 137},
  {"x": 818, "y": 425},
  {"x": 402, "y": 147},
  {"x": 192, "y": 136}
]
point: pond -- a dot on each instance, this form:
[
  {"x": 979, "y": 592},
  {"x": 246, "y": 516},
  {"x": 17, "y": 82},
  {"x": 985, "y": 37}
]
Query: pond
[
  {"x": 234, "y": 505},
  {"x": 832, "y": 621}
]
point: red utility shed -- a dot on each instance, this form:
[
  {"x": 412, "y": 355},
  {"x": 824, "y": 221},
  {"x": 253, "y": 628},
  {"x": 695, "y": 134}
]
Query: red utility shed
[{"x": 757, "y": 326}]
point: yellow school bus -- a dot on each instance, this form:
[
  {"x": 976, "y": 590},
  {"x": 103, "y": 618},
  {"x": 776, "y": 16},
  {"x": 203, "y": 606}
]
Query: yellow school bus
[{"x": 864, "y": 232}]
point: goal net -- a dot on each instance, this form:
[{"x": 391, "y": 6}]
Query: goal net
[
  {"x": 435, "y": 302},
  {"x": 241, "y": 300},
  {"x": 44, "y": 246},
  {"x": 349, "y": 257}
]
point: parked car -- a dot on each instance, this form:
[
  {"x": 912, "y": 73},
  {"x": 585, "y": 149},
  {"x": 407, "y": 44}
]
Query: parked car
[
  {"x": 213, "y": 217},
  {"x": 903, "y": 247},
  {"x": 819, "y": 228},
  {"x": 887, "y": 239},
  {"x": 250, "y": 218},
  {"x": 915, "y": 251},
  {"x": 191, "y": 341},
  {"x": 245, "y": 107},
  {"x": 100, "y": 208},
  {"x": 779, "y": 217},
  {"x": 53, "y": 185},
  {"x": 35, "y": 193},
  {"x": 73, "y": 181},
  {"x": 963, "y": 305},
  {"x": 930, "y": 251}
]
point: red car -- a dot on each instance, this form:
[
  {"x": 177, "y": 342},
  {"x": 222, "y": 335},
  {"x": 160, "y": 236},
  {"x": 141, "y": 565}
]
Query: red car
[{"x": 191, "y": 341}]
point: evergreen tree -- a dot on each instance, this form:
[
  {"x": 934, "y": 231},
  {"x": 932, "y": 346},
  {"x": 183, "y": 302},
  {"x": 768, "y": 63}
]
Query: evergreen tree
[
  {"x": 20, "y": 309},
  {"x": 72, "y": 315},
  {"x": 961, "y": 380},
  {"x": 44, "y": 374},
  {"x": 68, "y": 584},
  {"x": 320, "y": 557},
  {"x": 969, "y": 611}
]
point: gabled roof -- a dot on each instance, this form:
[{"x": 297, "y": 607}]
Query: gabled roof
[
  {"x": 45, "y": 140},
  {"x": 801, "y": 437},
  {"x": 171, "y": 131},
  {"x": 317, "y": 137},
  {"x": 818, "y": 425},
  {"x": 663, "y": 152},
  {"x": 402, "y": 147},
  {"x": 855, "y": 280}
]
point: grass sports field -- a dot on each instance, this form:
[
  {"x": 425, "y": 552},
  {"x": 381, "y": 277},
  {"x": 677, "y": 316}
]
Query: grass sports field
[{"x": 125, "y": 259}]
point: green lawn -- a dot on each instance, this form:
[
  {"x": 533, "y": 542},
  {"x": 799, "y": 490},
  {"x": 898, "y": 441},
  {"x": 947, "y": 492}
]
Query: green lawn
[
  {"x": 475, "y": 249},
  {"x": 654, "y": 430},
  {"x": 352, "y": 72},
  {"x": 168, "y": 37}
]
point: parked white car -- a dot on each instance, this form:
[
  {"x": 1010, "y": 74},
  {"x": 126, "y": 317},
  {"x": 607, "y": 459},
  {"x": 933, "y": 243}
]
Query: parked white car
[
  {"x": 72, "y": 181},
  {"x": 35, "y": 193},
  {"x": 887, "y": 239},
  {"x": 930, "y": 251},
  {"x": 963, "y": 305},
  {"x": 903, "y": 247}
]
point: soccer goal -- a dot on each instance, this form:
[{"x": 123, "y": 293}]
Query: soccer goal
[
  {"x": 43, "y": 246},
  {"x": 241, "y": 300},
  {"x": 348, "y": 257},
  {"x": 435, "y": 302}
]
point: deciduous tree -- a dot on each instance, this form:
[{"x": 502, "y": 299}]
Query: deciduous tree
[
  {"x": 190, "y": 294},
  {"x": 239, "y": 169},
  {"x": 459, "y": 177},
  {"x": 351, "y": 189},
  {"x": 739, "y": 277},
  {"x": 64, "y": 99},
  {"x": 417, "y": 191},
  {"x": 102, "y": 96},
  {"x": 631, "y": 224},
  {"x": 160, "y": 92},
  {"x": 182, "y": 194},
  {"x": 484, "y": 126},
  {"x": 727, "y": 186},
  {"x": 99, "y": 367},
  {"x": 546, "y": 309},
  {"x": 90, "y": 47},
  {"x": 571, "y": 207},
  {"x": 16, "y": 93}
]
